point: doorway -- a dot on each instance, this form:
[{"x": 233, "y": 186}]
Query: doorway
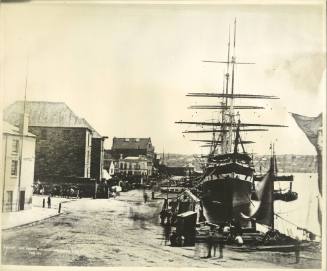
[{"x": 21, "y": 200}]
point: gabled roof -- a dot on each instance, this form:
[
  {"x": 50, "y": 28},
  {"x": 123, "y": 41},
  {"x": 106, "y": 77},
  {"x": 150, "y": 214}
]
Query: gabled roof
[
  {"x": 47, "y": 114},
  {"x": 13, "y": 130},
  {"x": 130, "y": 143}
]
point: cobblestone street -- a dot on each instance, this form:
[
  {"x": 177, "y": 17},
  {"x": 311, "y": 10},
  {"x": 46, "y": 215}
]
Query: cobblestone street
[{"x": 117, "y": 232}]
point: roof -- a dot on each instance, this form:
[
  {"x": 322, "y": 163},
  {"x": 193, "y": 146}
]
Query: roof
[
  {"x": 131, "y": 143},
  {"x": 187, "y": 193},
  {"x": 95, "y": 134},
  {"x": 12, "y": 130},
  {"x": 46, "y": 114},
  {"x": 135, "y": 158}
]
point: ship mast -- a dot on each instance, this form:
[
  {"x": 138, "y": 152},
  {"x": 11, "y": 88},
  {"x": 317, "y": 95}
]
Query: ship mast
[
  {"x": 224, "y": 134},
  {"x": 231, "y": 108},
  {"x": 225, "y": 127}
]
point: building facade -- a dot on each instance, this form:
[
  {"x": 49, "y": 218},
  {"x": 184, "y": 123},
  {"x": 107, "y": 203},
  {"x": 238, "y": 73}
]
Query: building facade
[
  {"x": 62, "y": 151},
  {"x": 17, "y": 168},
  {"x": 66, "y": 145},
  {"x": 133, "y": 166},
  {"x": 134, "y": 147}
]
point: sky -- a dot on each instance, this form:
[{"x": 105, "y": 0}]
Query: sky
[{"x": 127, "y": 68}]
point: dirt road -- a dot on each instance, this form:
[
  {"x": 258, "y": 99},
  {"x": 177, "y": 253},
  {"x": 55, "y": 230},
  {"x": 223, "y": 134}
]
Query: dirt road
[{"x": 119, "y": 232}]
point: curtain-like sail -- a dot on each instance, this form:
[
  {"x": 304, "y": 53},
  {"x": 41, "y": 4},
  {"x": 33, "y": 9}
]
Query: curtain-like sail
[
  {"x": 263, "y": 209},
  {"x": 312, "y": 127}
]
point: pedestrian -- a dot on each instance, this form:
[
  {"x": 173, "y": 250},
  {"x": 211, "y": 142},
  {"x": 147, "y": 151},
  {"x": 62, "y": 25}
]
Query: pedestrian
[
  {"x": 297, "y": 250},
  {"x": 180, "y": 240},
  {"x": 145, "y": 196},
  {"x": 239, "y": 240},
  {"x": 162, "y": 217},
  {"x": 215, "y": 242},
  {"x": 221, "y": 240},
  {"x": 49, "y": 201},
  {"x": 202, "y": 218},
  {"x": 168, "y": 216},
  {"x": 209, "y": 243}
]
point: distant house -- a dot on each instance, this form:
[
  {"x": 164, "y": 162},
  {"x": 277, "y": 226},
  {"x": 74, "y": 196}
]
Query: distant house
[
  {"x": 134, "y": 147},
  {"x": 18, "y": 157},
  {"x": 133, "y": 166},
  {"x": 63, "y": 141}
]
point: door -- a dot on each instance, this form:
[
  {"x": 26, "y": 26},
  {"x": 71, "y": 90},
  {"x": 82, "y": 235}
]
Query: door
[{"x": 21, "y": 200}]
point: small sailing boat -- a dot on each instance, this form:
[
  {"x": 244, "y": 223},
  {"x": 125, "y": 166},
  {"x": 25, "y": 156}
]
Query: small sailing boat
[{"x": 279, "y": 194}]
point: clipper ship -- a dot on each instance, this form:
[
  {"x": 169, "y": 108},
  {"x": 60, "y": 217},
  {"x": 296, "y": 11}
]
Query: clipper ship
[{"x": 228, "y": 178}]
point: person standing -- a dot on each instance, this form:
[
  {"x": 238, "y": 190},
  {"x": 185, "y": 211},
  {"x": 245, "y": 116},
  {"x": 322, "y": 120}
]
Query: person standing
[
  {"x": 297, "y": 250},
  {"x": 145, "y": 196},
  {"x": 49, "y": 201},
  {"x": 221, "y": 241},
  {"x": 209, "y": 243}
]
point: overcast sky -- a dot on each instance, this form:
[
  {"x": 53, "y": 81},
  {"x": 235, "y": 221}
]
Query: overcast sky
[{"x": 127, "y": 68}]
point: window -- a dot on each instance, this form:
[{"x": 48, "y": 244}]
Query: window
[
  {"x": 15, "y": 146},
  {"x": 89, "y": 139},
  {"x": 66, "y": 133},
  {"x": 9, "y": 201},
  {"x": 44, "y": 134},
  {"x": 14, "y": 165},
  {"x": 43, "y": 151}
]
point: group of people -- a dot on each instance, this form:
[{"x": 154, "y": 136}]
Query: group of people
[
  {"x": 168, "y": 214},
  {"x": 216, "y": 239},
  {"x": 224, "y": 233},
  {"x": 58, "y": 190}
]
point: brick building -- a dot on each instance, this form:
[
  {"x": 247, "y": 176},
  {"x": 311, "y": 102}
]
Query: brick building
[
  {"x": 17, "y": 167},
  {"x": 63, "y": 141}
]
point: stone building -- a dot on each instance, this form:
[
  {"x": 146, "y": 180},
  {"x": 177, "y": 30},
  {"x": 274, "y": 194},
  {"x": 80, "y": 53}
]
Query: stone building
[
  {"x": 63, "y": 141},
  {"x": 133, "y": 166},
  {"x": 17, "y": 167},
  {"x": 134, "y": 147}
]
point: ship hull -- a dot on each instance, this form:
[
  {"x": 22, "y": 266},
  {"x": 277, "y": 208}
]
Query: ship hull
[{"x": 225, "y": 199}]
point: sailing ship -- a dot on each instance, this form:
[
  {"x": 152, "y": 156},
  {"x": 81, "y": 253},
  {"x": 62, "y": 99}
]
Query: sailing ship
[{"x": 228, "y": 179}]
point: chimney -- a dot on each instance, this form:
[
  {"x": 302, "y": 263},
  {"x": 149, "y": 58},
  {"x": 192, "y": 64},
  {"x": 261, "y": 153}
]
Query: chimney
[{"x": 23, "y": 124}]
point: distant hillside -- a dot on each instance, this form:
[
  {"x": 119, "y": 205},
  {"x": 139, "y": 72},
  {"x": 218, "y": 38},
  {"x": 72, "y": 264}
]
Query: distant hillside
[{"x": 285, "y": 163}]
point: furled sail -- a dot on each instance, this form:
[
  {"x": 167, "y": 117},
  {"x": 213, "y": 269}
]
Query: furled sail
[
  {"x": 219, "y": 131},
  {"x": 224, "y": 107},
  {"x": 232, "y": 96},
  {"x": 228, "y": 123}
]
